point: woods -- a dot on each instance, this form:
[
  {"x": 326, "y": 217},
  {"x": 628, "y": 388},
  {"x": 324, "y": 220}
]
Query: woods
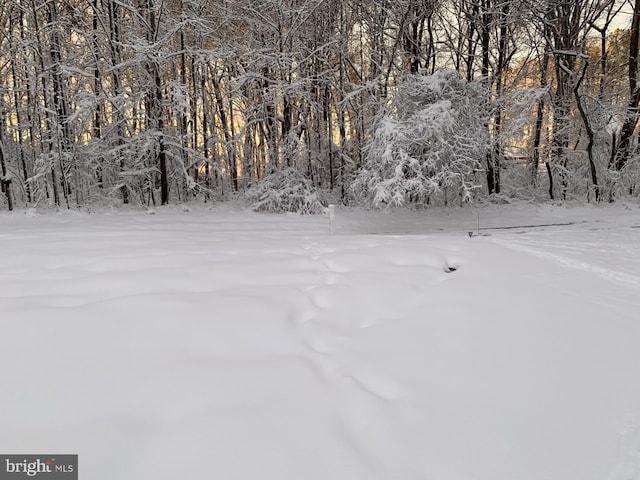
[{"x": 164, "y": 101}]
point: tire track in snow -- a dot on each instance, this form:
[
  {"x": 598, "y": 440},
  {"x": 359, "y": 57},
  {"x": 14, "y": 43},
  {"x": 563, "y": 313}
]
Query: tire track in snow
[{"x": 615, "y": 276}]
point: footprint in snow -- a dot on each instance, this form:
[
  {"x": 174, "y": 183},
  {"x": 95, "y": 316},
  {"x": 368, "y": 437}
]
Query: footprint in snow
[{"x": 377, "y": 385}]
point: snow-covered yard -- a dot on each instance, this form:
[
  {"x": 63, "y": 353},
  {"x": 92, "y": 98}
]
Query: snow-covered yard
[{"x": 238, "y": 346}]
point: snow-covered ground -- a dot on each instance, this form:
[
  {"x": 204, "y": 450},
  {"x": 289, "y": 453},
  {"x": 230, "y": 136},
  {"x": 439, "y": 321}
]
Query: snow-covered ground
[{"x": 237, "y": 346}]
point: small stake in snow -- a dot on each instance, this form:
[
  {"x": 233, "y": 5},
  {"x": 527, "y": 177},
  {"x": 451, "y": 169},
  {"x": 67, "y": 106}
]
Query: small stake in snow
[
  {"x": 332, "y": 214},
  {"x": 471, "y": 232}
]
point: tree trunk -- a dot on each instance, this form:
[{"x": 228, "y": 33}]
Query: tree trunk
[
  {"x": 628, "y": 128},
  {"x": 162, "y": 153},
  {"x": 17, "y": 86},
  {"x": 97, "y": 113},
  {"x": 118, "y": 117},
  {"x": 62, "y": 132},
  {"x": 540, "y": 107},
  {"x": 155, "y": 113},
  {"x": 46, "y": 135},
  {"x": 5, "y": 179},
  {"x": 588, "y": 128},
  {"x": 225, "y": 126}
]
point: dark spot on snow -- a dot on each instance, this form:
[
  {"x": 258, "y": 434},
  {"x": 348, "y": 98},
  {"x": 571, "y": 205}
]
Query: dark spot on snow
[{"x": 450, "y": 269}]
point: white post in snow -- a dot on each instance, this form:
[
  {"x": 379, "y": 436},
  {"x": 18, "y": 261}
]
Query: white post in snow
[{"x": 332, "y": 214}]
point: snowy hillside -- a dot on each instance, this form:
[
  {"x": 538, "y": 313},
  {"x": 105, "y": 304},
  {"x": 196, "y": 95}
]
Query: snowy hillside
[{"x": 240, "y": 346}]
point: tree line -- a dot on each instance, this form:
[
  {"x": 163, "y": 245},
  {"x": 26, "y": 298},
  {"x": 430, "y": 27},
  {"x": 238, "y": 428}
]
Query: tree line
[{"x": 159, "y": 101}]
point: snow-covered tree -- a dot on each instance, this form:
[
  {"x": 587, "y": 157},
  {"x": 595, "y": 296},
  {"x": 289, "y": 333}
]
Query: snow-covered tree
[
  {"x": 428, "y": 145},
  {"x": 284, "y": 191}
]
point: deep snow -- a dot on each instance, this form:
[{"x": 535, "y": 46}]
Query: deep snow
[{"x": 232, "y": 345}]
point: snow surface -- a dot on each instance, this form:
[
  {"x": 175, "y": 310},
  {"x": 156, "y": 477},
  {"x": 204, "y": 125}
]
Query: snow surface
[{"x": 233, "y": 345}]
